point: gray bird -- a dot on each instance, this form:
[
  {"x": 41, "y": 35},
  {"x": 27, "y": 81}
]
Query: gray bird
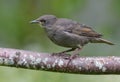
[{"x": 69, "y": 33}]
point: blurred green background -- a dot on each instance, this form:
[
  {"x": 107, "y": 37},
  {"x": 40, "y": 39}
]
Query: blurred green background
[{"x": 16, "y": 32}]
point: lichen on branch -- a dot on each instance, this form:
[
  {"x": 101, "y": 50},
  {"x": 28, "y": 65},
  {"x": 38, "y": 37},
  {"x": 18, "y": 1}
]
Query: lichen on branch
[{"x": 59, "y": 63}]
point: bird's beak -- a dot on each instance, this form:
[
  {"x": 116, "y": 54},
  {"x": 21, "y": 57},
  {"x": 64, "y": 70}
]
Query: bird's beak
[{"x": 34, "y": 21}]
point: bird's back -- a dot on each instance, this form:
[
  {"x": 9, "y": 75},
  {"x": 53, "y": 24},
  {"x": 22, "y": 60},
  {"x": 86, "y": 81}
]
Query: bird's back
[{"x": 65, "y": 22}]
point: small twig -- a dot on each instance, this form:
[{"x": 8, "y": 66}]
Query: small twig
[{"x": 57, "y": 63}]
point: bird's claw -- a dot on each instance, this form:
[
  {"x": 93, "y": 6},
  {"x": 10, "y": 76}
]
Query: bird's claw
[
  {"x": 61, "y": 54},
  {"x": 72, "y": 57}
]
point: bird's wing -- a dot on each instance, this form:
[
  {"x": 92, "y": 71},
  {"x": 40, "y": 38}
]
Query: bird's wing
[
  {"x": 83, "y": 30},
  {"x": 74, "y": 27}
]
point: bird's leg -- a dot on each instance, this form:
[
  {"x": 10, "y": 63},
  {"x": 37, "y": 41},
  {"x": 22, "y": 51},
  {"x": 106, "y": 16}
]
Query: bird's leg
[
  {"x": 72, "y": 49},
  {"x": 63, "y": 52},
  {"x": 74, "y": 54}
]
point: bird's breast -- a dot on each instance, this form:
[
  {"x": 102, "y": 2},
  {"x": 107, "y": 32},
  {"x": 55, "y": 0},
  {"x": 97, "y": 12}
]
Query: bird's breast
[{"x": 61, "y": 39}]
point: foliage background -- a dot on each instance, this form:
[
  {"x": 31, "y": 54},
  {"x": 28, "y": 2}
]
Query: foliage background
[{"x": 16, "y": 32}]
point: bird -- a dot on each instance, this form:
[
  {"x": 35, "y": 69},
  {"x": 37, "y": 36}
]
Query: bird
[{"x": 69, "y": 33}]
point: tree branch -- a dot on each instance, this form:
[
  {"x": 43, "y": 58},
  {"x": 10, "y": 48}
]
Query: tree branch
[{"x": 59, "y": 63}]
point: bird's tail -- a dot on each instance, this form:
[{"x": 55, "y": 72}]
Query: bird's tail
[{"x": 100, "y": 40}]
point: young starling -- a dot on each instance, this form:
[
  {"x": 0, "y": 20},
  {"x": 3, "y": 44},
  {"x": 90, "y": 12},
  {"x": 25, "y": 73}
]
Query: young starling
[{"x": 68, "y": 33}]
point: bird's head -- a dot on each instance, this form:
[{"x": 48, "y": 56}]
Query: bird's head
[{"x": 45, "y": 20}]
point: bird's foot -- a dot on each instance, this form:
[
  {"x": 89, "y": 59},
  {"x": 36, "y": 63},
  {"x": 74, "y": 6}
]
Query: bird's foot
[
  {"x": 72, "y": 57},
  {"x": 61, "y": 54}
]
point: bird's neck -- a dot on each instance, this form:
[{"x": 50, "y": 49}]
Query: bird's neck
[{"x": 49, "y": 31}]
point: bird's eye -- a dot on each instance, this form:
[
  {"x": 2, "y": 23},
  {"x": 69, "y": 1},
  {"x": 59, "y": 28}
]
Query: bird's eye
[{"x": 43, "y": 21}]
